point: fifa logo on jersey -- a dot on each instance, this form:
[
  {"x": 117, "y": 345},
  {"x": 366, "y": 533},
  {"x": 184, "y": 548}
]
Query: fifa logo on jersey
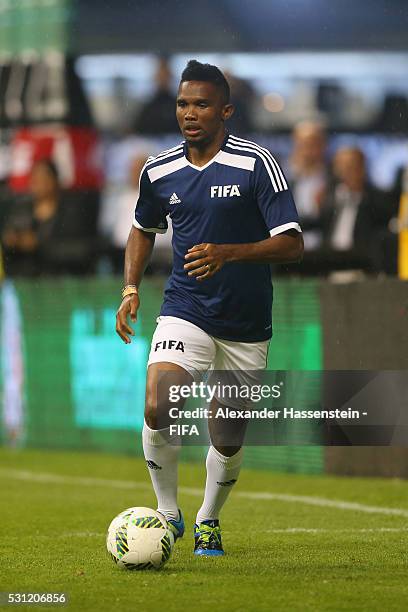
[
  {"x": 177, "y": 345},
  {"x": 224, "y": 191}
]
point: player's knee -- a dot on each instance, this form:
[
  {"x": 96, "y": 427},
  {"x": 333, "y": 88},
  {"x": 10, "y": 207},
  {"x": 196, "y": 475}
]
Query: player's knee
[
  {"x": 150, "y": 413},
  {"x": 156, "y": 406}
]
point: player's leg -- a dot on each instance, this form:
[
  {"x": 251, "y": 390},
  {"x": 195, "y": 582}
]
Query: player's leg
[
  {"x": 223, "y": 464},
  {"x": 225, "y": 455},
  {"x": 160, "y": 446},
  {"x": 180, "y": 351}
]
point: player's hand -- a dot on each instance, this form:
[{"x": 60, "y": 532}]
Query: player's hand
[
  {"x": 128, "y": 308},
  {"x": 205, "y": 260}
]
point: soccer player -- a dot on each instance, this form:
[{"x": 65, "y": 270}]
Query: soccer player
[{"x": 232, "y": 216}]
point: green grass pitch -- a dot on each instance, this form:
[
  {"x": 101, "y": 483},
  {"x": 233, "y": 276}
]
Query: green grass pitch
[{"x": 300, "y": 548}]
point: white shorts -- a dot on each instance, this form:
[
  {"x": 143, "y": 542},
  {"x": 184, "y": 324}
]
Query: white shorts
[{"x": 183, "y": 343}]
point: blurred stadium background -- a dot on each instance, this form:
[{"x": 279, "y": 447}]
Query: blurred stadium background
[{"x": 90, "y": 86}]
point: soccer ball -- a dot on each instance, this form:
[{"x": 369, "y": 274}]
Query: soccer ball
[{"x": 139, "y": 538}]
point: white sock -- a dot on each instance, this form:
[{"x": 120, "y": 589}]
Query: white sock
[
  {"x": 162, "y": 458},
  {"x": 220, "y": 469}
]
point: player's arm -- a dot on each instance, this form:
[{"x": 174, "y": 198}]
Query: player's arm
[
  {"x": 286, "y": 247},
  {"x": 149, "y": 220},
  {"x": 204, "y": 260},
  {"x": 138, "y": 251}
]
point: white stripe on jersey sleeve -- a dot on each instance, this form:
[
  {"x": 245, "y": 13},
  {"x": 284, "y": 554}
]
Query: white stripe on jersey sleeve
[
  {"x": 160, "y": 171},
  {"x": 171, "y": 153},
  {"x": 275, "y": 166},
  {"x": 153, "y": 230},
  {"x": 266, "y": 164},
  {"x": 178, "y": 146},
  {"x": 284, "y": 228},
  {"x": 236, "y": 161}
]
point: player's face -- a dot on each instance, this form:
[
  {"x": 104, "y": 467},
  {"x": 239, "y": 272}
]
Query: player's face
[{"x": 201, "y": 111}]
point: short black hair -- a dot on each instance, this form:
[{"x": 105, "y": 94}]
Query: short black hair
[{"x": 196, "y": 71}]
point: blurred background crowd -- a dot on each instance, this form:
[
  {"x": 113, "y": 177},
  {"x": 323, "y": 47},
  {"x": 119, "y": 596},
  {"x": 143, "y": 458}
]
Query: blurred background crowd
[{"x": 85, "y": 99}]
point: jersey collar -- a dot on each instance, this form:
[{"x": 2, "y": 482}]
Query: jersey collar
[{"x": 211, "y": 161}]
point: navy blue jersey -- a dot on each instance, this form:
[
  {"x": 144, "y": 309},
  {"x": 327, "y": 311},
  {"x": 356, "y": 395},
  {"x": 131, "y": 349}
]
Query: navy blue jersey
[{"x": 240, "y": 196}]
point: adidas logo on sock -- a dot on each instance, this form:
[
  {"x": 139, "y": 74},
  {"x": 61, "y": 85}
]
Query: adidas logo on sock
[
  {"x": 174, "y": 199},
  {"x": 227, "y": 483},
  {"x": 152, "y": 465}
]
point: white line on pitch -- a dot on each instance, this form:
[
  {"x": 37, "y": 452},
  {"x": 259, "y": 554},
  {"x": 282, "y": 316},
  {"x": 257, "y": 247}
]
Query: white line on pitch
[
  {"x": 288, "y": 530},
  {"x": 334, "y": 531},
  {"x": 322, "y": 502},
  {"x": 254, "y": 495}
]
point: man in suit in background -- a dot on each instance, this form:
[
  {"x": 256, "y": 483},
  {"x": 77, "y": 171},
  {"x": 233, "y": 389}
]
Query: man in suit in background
[{"x": 355, "y": 215}]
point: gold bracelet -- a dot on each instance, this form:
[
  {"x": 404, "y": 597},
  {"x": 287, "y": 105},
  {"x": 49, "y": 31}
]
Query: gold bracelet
[{"x": 129, "y": 290}]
